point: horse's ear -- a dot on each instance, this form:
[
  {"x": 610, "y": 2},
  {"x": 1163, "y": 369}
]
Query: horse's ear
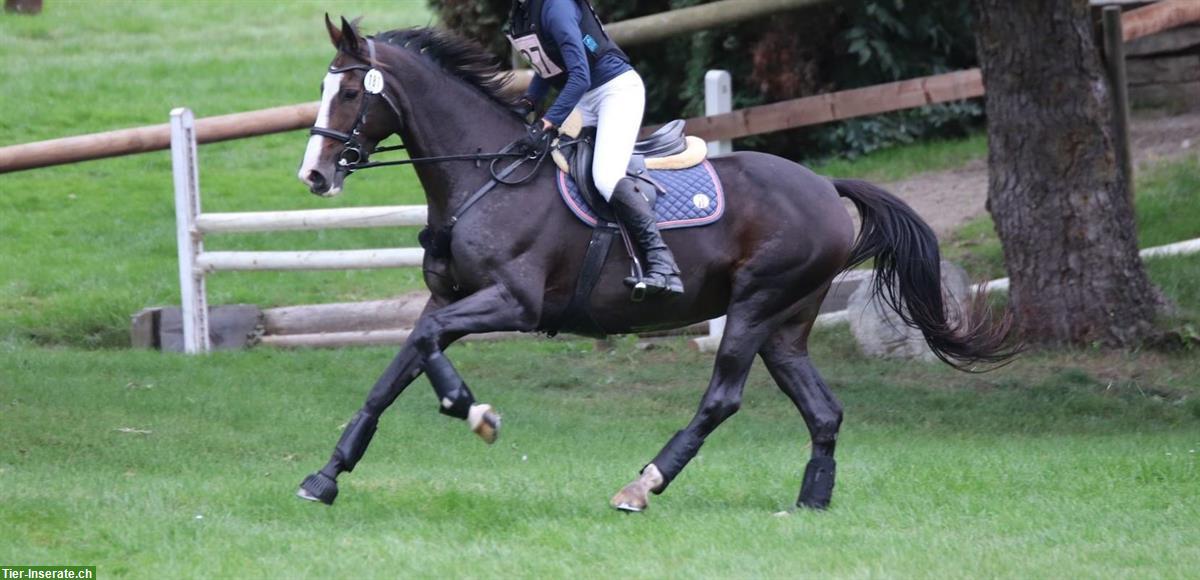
[
  {"x": 350, "y": 40},
  {"x": 335, "y": 35}
]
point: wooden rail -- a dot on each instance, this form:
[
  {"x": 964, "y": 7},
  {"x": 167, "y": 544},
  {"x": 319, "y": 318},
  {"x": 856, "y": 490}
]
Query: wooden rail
[
  {"x": 829, "y": 107},
  {"x": 664, "y": 25},
  {"x": 1155, "y": 18},
  {"x": 155, "y": 137},
  {"x": 313, "y": 219},
  {"x": 313, "y": 260}
]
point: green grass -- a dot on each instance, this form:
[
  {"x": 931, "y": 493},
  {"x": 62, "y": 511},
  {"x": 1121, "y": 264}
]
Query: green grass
[
  {"x": 1168, "y": 211},
  {"x": 1075, "y": 464},
  {"x": 896, "y": 163},
  {"x": 1053, "y": 466},
  {"x": 87, "y": 245}
]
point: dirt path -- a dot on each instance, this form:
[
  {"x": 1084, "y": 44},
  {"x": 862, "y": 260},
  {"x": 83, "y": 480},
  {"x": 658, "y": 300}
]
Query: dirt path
[{"x": 949, "y": 199}]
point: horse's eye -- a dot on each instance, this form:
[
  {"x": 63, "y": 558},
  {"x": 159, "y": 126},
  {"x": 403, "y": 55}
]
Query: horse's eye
[{"x": 349, "y": 94}]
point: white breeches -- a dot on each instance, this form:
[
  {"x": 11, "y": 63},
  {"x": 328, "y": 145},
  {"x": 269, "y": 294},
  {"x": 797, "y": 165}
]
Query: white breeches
[{"x": 615, "y": 109}]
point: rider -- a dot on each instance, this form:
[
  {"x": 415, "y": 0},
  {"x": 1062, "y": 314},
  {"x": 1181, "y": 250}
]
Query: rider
[{"x": 565, "y": 43}]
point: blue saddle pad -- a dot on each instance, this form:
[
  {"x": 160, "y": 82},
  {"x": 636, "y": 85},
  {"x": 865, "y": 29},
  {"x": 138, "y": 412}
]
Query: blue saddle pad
[{"x": 694, "y": 197}]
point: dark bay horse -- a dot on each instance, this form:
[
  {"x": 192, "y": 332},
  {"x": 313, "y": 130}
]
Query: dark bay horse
[{"x": 515, "y": 256}]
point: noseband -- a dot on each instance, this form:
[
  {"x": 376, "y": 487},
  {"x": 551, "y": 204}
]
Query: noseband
[{"x": 354, "y": 155}]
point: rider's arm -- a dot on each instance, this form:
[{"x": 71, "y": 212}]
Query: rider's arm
[
  {"x": 561, "y": 20},
  {"x": 538, "y": 87}
]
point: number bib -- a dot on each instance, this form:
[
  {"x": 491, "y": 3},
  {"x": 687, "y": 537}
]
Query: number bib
[{"x": 530, "y": 48}]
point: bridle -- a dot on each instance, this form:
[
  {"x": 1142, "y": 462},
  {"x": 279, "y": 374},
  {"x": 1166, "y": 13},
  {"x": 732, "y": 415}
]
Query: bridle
[{"x": 354, "y": 156}]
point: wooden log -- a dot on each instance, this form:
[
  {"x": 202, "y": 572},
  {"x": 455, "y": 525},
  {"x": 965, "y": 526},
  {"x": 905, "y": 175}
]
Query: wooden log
[
  {"x": 663, "y": 25},
  {"x": 399, "y": 312},
  {"x": 828, "y": 107},
  {"x": 1164, "y": 69},
  {"x": 143, "y": 329},
  {"x": 231, "y": 327},
  {"x": 1169, "y": 41},
  {"x": 320, "y": 260},
  {"x": 315, "y": 219},
  {"x": 1169, "y": 95},
  {"x": 1158, "y": 17}
]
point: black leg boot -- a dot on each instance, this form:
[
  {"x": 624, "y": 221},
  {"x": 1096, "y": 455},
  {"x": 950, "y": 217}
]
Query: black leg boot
[{"x": 633, "y": 209}]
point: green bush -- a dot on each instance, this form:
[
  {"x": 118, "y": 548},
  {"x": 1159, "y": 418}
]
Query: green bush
[{"x": 838, "y": 45}]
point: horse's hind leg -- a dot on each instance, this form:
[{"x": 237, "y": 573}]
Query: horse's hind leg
[
  {"x": 722, "y": 399},
  {"x": 786, "y": 356}
]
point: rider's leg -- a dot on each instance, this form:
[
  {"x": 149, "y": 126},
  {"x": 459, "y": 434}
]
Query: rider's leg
[
  {"x": 632, "y": 207},
  {"x": 618, "y": 106}
]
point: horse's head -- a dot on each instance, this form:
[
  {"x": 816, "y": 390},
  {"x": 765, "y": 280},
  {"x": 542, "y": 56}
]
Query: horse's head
[{"x": 355, "y": 113}]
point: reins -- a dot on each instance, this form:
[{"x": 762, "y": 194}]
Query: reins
[{"x": 354, "y": 156}]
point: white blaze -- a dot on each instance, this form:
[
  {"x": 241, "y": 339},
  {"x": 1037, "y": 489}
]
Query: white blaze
[{"x": 330, "y": 89}]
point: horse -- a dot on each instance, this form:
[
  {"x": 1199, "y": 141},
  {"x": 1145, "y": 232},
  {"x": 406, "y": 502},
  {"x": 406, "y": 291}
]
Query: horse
[{"x": 511, "y": 258}]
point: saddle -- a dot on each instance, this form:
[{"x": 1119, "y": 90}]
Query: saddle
[
  {"x": 667, "y": 148},
  {"x": 685, "y": 186}
]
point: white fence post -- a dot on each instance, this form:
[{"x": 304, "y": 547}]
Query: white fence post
[
  {"x": 718, "y": 99},
  {"x": 190, "y": 244}
]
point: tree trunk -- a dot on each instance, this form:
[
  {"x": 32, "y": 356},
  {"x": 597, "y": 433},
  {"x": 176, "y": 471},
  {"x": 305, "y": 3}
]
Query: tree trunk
[
  {"x": 1055, "y": 192},
  {"x": 23, "y": 6}
]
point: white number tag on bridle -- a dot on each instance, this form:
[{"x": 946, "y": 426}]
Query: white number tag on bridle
[{"x": 373, "y": 82}]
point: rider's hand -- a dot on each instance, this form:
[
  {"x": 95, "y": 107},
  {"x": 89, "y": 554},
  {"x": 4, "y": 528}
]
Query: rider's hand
[{"x": 538, "y": 137}]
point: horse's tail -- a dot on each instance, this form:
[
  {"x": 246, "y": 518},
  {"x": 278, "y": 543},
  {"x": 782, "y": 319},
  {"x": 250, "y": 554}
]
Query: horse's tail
[{"x": 908, "y": 279}]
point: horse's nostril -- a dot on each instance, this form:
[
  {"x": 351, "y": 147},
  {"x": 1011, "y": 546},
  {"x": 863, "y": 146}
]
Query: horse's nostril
[{"x": 317, "y": 180}]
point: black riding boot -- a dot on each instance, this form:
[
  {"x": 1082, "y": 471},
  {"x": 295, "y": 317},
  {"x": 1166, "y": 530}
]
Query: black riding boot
[{"x": 633, "y": 209}]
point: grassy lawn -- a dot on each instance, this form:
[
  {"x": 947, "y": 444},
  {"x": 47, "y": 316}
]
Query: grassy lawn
[
  {"x": 1073, "y": 464},
  {"x": 87, "y": 245},
  {"x": 896, "y": 163},
  {"x": 1058, "y": 466}
]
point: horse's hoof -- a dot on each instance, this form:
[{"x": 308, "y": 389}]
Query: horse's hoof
[
  {"x": 485, "y": 422},
  {"x": 631, "y": 498},
  {"x": 318, "y": 487},
  {"x": 635, "y": 496}
]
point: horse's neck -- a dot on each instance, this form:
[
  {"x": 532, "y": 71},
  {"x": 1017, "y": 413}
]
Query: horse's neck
[{"x": 445, "y": 116}]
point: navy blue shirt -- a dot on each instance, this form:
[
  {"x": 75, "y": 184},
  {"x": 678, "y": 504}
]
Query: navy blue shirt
[{"x": 560, "y": 19}]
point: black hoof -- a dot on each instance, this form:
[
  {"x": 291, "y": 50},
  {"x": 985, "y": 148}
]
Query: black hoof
[
  {"x": 318, "y": 487},
  {"x": 817, "y": 490}
]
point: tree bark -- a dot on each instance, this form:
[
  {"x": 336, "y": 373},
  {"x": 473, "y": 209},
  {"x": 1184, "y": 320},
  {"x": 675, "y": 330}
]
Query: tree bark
[
  {"x": 23, "y": 6},
  {"x": 1055, "y": 191}
]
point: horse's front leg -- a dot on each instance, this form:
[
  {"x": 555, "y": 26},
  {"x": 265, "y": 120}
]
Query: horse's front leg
[{"x": 489, "y": 310}]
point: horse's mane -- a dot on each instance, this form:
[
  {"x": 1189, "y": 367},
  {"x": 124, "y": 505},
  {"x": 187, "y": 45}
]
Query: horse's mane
[{"x": 456, "y": 55}]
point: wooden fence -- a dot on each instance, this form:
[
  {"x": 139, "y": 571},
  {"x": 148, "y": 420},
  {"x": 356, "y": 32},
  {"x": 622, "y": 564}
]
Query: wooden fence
[
  {"x": 302, "y": 116},
  {"x": 751, "y": 121},
  {"x": 192, "y": 225}
]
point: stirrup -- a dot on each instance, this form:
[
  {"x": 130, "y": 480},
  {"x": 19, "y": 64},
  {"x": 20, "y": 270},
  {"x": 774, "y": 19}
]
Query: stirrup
[{"x": 643, "y": 288}]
